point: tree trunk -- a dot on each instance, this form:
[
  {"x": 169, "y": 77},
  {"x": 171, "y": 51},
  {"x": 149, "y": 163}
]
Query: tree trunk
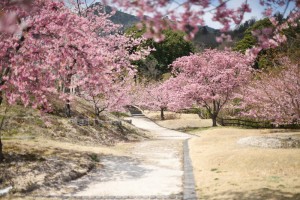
[
  {"x": 67, "y": 90},
  {"x": 1, "y": 153},
  {"x": 214, "y": 120},
  {"x": 200, "y": 115},
  {"x": 1, "y": 97},
  {"x": 68, "y": 108},
  {"x": 1, "y": 127},
  {"x": 162, "y": 116},
  {"x": 97, "y": 111}
]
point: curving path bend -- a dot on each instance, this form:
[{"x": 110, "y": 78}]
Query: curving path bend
[{"x": 153, "y": 169}]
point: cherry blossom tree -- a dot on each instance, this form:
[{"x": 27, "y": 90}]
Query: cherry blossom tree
[
  {"x": 161, "y": 96},
  {"x": 211, "y": 78},
  {"x": 112, "y": 90},
  {"x": 25, "y": 74},
  {"x": 112, "y": 96},
  {"x": 63, "y": 44},
  {"x": 50, "y": 44},
  {"x": 47, "y": 46},
  {"x": 274, "y": 96}
]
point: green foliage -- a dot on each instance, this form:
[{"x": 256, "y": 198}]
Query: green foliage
[
  {"x": 201, "y": 112},
  {"x": 246, "y": 43},
  {"x": 239, "y": 31},
  {"x": 174, "y": 46},
  {"x": 94, "y": 157},
  {"x": 249, "y": 40},
  {"x": 293, "y": 44},
  {"x": 157, "y": 63},
  {"x": 148, "y": 67},
  {"x": 270, "y": 58},
  {"x": 120, "y": 114}
]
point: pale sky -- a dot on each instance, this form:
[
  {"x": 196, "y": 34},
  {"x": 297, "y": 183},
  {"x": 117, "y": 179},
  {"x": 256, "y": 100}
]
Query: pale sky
[{"x": 256, "y": 13}]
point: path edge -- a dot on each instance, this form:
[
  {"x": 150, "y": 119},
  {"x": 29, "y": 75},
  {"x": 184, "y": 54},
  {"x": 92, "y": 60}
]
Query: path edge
[{"x": 189, "y": 186}]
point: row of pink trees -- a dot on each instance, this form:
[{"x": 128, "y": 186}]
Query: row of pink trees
[
  {"x": 207, "y": 80},
  {"x": 48, "y": 44},
  {"x": 213, "y": 79},
  {"x": 205, "y": 88}
]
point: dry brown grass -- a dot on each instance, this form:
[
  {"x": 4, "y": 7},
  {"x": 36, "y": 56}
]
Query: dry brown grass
[{"x": 226, "y": 170}]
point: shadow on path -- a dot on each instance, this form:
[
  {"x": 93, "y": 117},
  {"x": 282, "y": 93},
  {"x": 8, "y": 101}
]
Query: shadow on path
[{"x": 114, "y": 168}]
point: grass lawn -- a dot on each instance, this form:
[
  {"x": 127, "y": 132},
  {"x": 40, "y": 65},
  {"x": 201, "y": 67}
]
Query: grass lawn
[{"x": 224, "y": 169}]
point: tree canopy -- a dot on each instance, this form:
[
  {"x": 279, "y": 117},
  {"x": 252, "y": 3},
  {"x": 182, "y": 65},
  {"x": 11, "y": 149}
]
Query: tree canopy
[{"x": 165, "y": 52}]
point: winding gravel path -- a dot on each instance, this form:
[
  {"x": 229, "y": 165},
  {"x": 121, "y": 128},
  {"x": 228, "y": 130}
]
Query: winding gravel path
[{"x": 153, "y": 169}]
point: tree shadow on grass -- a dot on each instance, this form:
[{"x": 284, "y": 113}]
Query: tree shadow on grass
[{"x": 260, "y": 194}]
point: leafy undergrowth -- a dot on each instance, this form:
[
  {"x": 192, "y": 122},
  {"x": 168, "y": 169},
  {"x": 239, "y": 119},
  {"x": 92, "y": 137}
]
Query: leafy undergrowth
[{"x": 30, "y": 170}]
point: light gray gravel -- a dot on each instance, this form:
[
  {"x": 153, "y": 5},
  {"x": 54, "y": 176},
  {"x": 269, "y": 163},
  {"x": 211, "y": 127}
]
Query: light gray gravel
[
  {"x": 271, "y": 141},
  {"x": 152, "y": 168}
]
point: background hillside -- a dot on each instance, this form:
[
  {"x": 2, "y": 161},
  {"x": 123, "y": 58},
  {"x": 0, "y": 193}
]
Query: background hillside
[
  {"x": 125, "y": 19},
  {"x": 205, "y": 38}
]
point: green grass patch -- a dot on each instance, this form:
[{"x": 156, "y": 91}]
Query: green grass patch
[
  {"x": 94, "y": 157},
  {"x": 18, "y": 137},
  {"x": 275, "y": 179},
  {"x": 192, "y": 129},
  {"x": 120, "y": 114}
]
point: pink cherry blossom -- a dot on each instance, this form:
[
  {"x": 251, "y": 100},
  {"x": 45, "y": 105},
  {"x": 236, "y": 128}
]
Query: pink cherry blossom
[
  {"x": 210, "y": 79},
  {"x": 54, "y": 48},
  {"x": 274, "y": 96}
]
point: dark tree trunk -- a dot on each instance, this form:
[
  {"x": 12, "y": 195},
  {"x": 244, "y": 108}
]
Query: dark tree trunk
[
  {"x": 97, "y": 112},
  {"x": 1, "y": 153},
  {"x": 67, "y": 90},
  {"x": 200, "y": 115},
  {"x": 68, "y": 108},
  {"x": 1, "y": 97},
  {"x": 162, "y": 116},
  {"x": 214, "y": 120},
  {"x": 1, "y": 145}
]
